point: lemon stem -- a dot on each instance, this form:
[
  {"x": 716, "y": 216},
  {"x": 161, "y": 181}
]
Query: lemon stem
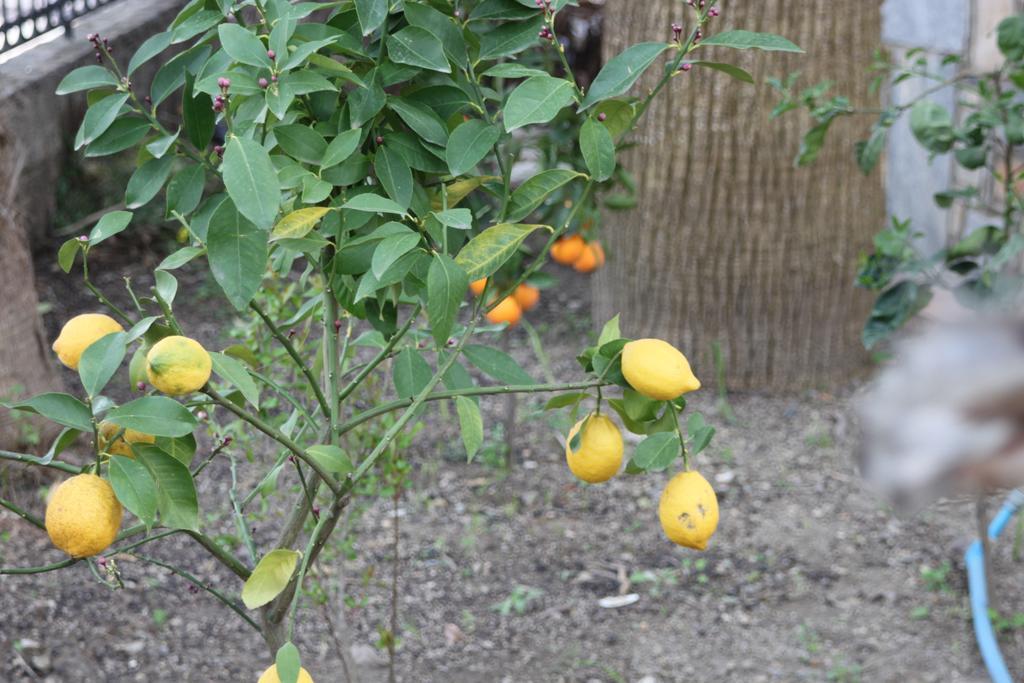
[
  {"x": 294, "y": 355},
  {"x": 679, "y": 432}
]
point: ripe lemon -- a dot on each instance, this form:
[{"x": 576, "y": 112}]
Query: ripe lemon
[
  {"x": 178, "y": 365},
  {"x": 83, "y": 516},
  {"x": 270, "y": 676},
  {"x": 507, "y": 311},
  {"x": 79, "y": 333},
  {"x": 599, "y": 455},
  {"x": 657, "y": 369},
  {"x": 591, "y": 259},
  {"x": 688, "y": 510},
  {"x": 477, "y": 286},
  {"x": 121, "y": 445},
  {"x": 526, "y": 296},
  {"x": 566, "y": 250}
]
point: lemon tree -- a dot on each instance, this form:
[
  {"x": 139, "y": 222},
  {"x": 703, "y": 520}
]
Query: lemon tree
[{"x": 358, "y": 153}]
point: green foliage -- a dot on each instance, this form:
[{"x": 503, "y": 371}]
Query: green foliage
[
  {"x": 978, "y": 268},
  {"x": 344, "y": 178}
]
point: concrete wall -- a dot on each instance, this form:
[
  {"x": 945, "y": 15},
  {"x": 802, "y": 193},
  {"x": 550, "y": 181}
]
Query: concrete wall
[
  {"x": 941, "y": 27},
  {"x": 36, "y": 125}
]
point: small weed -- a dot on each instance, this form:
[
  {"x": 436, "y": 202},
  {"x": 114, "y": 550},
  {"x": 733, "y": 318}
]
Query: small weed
[
  {"x": 920, "y": 613},
  {"x": 819, "y": 440},
  {"x": 657, "y": 581},
  {"x": 160, "y": 617},
  {"x": 842, "y": 673},
  {"x": 1002, "y": 624},
  {"x": 936, "y": 579},
  {"x": 518, "y": 601}
]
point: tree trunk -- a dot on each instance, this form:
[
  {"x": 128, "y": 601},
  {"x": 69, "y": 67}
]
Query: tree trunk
[
  {"x": 729, "y": 242},
  {"x": 26, "y": 364}
]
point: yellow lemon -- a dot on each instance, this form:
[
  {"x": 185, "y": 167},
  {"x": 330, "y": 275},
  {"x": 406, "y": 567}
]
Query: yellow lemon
[
  {"x": 270, "y": 676},
  {"x": 79, "y": 333},
  {"x": 657, "y": 369},
  {"x": 121, "y": 445},
  {"x": 178, "y": 365},
  {"x": 599, "y": 455},
  {"x": 83, "y": 516},
  {"x": 688, "y": 510}
]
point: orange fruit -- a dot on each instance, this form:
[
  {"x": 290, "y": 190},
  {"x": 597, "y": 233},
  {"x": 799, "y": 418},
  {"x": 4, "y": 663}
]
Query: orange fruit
[
  {"x": 591, "y": 259},
  {"x": 507, "y": 311},
  {"x": 566, "y": 250},
  {"x": 526, "y": 296},
  {"x": 477, "y": 286}
]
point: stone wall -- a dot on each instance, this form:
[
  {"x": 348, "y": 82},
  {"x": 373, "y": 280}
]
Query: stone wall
[{"x": 941, "y": 27}]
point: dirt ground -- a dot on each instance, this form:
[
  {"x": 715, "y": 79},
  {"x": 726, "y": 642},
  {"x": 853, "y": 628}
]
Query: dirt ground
[{"x": 809, "y": 577}]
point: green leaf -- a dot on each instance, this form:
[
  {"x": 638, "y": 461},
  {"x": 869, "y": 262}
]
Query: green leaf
[
  {"x": 109, "y": 225},
  {"x": 598, "y": 149},
  {"x": 235, "y": 373},
  {"x": 565, "y": 400},
  {"x": 510, "y": 70},
  {"x": 156, "y": 415},
  {"x": 181, "y": 448},
  {"x": 341, "y": 148},
  {"x": 471, "y": 425},
  {"x": 185, "y": 190},
  {"x": 532, "y": 193},
  {"x": 270, "y": 577},
  {"x": 67, "y": 253},
  {"x": 394, "y": 175},
  {"x": 497, "y": 364},
  {"x": 251, "y": 181},
  {"x": 100, "y": 361},
  {"x": 446, "y": 287},
  {"x": 657, "y": 452},
  {"x": 458, "y": 219},
  {"x": 411, "y": 373},
  {"x": 500, "y": 10},
  {"x": 197, "y": 116},
  {"x": 489, "y": 250},
  {"x": 423, "y": 121},
  {"x": 66, "y": 438},
  {"x": 391, "y": 249},
  {"x": 99, "y": 117},
  {"x": 86, "y": 78},
  {"x": 730, "y": 69},
  {"x": 610, "y": 332},
  {"x": 123, "y": 133},
  {"x": 699, "y": 433},
  {"x": 298, "y": 223},
  {"x": 418, "y": 47},
  {"x": 371, "y": 14},
  {"x": 134, "y": 487},
  {"x": 152, "y": 46},
  {"x": 469, "y": 144},
  {"x": 510, "y": 38},
  {"x": 301, "y": 142},
  {"x": 197, "y": 23},
  {"x": 331, "y": 458},
  {"x": 373, "y": 203},
  {"x": 159, "y": 147},
  {"x": 538, "y": 99},
  {"x": 288, "y": 663},
  {"x": 237, "y": 252},
  {"x": 176, "y": 499},
  {"x": 60, "y": 408},
  {"x": 1010, "y": 37},
  {"x": 147, "y": 181},
  {"x": 621, "y": 72},
  {"x": 243, "y": 46},
  {"x": 747, "y": 40},
  {"x": 932, "y": 126}
]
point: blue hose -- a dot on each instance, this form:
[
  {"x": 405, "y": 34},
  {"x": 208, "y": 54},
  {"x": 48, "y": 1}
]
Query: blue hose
[{"x": 975, "y": 560}]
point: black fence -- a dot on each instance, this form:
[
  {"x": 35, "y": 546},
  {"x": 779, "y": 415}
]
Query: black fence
[{"x": 24, "y": 20}]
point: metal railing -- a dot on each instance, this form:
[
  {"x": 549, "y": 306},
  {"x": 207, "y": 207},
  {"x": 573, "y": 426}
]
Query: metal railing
[{"x": 24, "y": 20}]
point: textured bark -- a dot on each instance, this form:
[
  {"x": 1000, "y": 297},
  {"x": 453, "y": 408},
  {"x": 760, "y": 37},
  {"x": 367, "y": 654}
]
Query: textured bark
[
  {"x": 26, "y": 366},
  {"x": 729, "y": 242}
]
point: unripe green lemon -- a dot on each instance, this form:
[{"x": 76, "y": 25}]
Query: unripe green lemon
[
  {"x": 178, "y": 365},
  {"x": 80, "y": 333},
  {"x": 657, "y": 369},
  {"x": 83, "y": 516},
  {"x": 270, "y": 676},
  {"x": 599, "y": 455},
  {"x": 688, "y": 510}
]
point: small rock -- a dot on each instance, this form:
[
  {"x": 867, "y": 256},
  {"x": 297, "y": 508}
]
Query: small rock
[
  {"x": 453, "y": 634},
  {"x": 725, "y": 477},
  {"x": 647, "y": 679},
  {"x": 368, "y": 655}
]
